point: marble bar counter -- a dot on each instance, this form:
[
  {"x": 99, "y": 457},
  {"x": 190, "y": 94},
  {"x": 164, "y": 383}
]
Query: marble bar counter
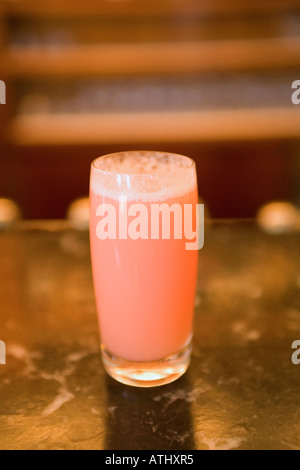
[{"x": 242, "y": 390}]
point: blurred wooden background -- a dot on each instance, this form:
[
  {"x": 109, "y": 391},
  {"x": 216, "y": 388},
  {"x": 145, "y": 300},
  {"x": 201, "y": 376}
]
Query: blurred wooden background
[{"x": 209, "y": 79}]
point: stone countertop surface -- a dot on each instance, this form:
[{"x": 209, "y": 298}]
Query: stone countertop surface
[{"x": 241, "y": 391}]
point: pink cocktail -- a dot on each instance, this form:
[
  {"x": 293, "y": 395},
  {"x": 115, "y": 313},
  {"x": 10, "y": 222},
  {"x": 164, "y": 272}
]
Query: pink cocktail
[{"x": 142, "y": 223}]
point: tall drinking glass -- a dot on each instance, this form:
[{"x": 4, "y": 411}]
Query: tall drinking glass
[{"x": 143, "y": 227}]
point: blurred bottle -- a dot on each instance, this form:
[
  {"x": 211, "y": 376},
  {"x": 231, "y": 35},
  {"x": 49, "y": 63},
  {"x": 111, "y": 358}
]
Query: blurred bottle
[
  {"x": 78, "y": 213},
  {"x": 279, "y": 217},
  {"x": 9, "y": 212}
]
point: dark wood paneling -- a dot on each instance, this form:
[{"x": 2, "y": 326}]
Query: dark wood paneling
[{"x": 234, "y": 179}]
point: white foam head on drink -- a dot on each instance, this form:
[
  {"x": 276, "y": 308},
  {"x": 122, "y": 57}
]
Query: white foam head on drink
[{"x": 143, "y": 175}]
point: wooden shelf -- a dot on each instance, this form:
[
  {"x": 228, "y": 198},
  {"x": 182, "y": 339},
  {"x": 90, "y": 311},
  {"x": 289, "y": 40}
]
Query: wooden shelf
[
  {"x": 162, "y": 58},
  {"x": 144, "y": 7},
  {"x": 123, "y": 128}
]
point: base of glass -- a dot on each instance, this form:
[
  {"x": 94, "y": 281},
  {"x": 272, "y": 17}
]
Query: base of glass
[{"x": 147, "y": 374}]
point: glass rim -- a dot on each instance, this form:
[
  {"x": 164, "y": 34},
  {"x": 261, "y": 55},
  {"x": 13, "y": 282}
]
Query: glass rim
[{"x": 192, "y": 163}]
